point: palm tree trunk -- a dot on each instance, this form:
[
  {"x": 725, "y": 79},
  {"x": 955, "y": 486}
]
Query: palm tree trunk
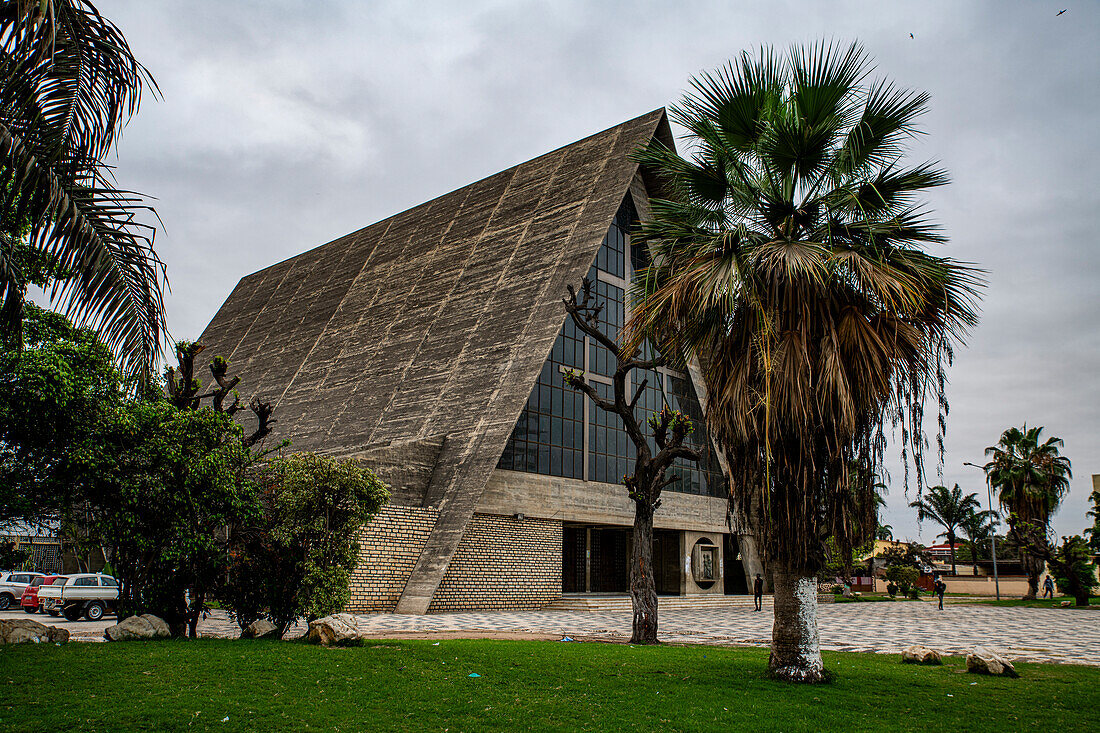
[
  {"x": 1033, "y": 568},
  {"x": 951, "y": 542},
  {"x": 796, "y": 647},
  {"x": 643, "y": 587}
]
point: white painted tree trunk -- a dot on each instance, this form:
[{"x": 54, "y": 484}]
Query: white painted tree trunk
[{"x": 796, "y": 647}]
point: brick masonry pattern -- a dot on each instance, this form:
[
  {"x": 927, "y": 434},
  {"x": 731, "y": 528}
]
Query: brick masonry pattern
[
  {"x": 502, "y": 563},
  {"x": 389, "y": 546}
]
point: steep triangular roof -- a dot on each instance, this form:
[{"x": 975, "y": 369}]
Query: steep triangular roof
[{"x": 434, "y": 322}]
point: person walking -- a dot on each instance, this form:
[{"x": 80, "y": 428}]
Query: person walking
[
  {"x": 1048, "y": 588},
  {"x": 758, "y": 593},
  {"x": 939, "y": 589}
]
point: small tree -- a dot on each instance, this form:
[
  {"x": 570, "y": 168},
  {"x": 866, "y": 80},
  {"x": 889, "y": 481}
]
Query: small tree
[
  {"x": 56, "y": 394},
  {"x": 165, "y": 494},
  {"x": 167, "y": 485},
  {"x": 645, "y": 484},
  {"x": 296, "y": 559},
  {"x": 1070, "y": 563},
  {"x": 905, "y": 576}
]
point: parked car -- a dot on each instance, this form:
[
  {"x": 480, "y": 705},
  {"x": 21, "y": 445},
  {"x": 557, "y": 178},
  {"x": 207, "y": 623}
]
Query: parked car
[
  {"x": 29, "y": 601},
  {"x": 83, "y": 594},
  {"x": 12, "y": 585},
  {"x": 49, "y": 596}
]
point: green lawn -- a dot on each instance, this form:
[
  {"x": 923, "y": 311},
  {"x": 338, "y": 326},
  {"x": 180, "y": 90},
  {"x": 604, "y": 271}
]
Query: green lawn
[
  {"x": 524, "y": 685},
  {"x": 1094, "y": 602}
]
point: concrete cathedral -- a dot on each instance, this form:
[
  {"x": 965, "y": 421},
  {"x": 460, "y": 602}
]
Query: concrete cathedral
[{"x": 432, "y": 345}]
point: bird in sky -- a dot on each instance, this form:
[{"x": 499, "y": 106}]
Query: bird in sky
[{"x": 1060, "y": 12}]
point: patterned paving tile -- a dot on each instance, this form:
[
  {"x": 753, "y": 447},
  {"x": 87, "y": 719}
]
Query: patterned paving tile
[{"x": 1030, "y": 634}]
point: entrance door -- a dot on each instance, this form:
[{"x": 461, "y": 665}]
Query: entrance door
[
  {"x": 610, "y": 560},
  {"x": 666, "y": 562},
  {"x": 735, "y": 583},
  {"x": 573, "y": 544}
]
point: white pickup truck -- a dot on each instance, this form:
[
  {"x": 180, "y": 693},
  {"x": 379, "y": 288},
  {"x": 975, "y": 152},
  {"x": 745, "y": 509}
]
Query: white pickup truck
[{"x": 86, "y": 594}]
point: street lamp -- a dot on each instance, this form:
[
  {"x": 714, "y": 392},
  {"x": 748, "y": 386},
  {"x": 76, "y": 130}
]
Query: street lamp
[{"x": 993, "y": 529}]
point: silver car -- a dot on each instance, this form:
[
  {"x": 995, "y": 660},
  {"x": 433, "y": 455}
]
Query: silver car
[{"x": 12, "y": 585}]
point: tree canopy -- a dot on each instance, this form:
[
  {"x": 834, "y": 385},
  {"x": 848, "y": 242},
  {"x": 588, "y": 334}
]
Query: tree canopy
[{"x": 790, "y": 259}]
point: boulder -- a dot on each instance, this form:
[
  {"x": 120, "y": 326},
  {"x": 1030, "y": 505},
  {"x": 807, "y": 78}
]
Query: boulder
[
  {"x": 339, "y": 629},
  {"x": 985, "y": 661},
  {"x": 918, "y": 654},
  {"x": 25, "y": 631},
  {"x": 146, "y": 626},
  {"x": 260, "y": 629}
]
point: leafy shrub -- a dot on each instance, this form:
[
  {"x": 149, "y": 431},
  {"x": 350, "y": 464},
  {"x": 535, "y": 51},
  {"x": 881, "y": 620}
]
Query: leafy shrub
[
  {"x": 904, "y": 575},
  {"x": 914, "y": 593},
  {"x": 837, "y": 590},
  {"x": 297, "y": 559},
  {"x": 892, "y": 589}
]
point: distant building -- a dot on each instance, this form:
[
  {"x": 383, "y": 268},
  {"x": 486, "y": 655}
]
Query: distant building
[
  {"x": 432, "y": 346},
  {"x": 942, "y": 553}
]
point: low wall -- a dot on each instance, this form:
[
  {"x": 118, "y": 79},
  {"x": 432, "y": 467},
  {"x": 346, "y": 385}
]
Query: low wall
[{"x": 1011, "y": 586}]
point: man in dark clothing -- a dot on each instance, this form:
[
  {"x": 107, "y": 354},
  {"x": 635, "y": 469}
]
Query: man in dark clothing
[
  {"x": 1048, "y": 588},
  {"x": 758, "y": 593},
  {"x": 939, "y": 589}
]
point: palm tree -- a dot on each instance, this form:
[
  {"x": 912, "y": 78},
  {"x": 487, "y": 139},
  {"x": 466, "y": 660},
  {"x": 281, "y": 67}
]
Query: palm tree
[
  {"x": 949, "y": 509},
  {"x": 978, "y": 528},
  {"x": 68, "y": 84},
  {"x": 788, "y": 261},
  {"x": 1031, "y": 478},
  {"x": 884, "y": 532}
]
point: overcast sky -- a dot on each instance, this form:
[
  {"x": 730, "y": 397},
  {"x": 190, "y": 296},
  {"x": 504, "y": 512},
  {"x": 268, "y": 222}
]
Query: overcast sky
[{"x": 285, "y": 124}]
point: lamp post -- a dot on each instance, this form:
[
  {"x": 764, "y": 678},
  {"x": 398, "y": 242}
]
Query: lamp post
[{"x": 992, "y": 527}]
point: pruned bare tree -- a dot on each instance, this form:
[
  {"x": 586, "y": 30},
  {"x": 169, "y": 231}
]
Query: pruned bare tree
[
  {"x": 184, "y": 390},
  {"x": 645, "y": 484}
]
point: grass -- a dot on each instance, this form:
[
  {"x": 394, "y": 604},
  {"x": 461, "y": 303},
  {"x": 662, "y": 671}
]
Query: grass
[
  {"x": 527, "y": 685},
  {"x": 877, "y": 598},
  {"x": 1094, "y": 602}
]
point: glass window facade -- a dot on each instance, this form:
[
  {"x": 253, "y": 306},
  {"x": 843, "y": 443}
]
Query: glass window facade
[{"x": 560, "y": 431}]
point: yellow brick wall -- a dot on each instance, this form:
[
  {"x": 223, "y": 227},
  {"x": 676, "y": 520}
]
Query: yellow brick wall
[
  {"x": 503, "y": 563},
  {"x": 389, "y": 546}
]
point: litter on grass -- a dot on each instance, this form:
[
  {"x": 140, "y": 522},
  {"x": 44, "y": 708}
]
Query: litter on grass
[
  {"x": 566, "y": 638},
  {"x": 474, "y": 674}
]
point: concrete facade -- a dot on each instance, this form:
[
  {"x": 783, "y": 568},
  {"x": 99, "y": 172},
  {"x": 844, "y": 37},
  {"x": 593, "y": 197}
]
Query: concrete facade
[{"x": 413, "y": 345}]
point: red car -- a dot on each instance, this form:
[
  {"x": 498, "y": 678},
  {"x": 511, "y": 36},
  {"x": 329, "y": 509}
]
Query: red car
[{"x": 29, "y": 600}]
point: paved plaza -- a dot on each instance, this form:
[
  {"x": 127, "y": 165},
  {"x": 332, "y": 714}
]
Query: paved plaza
[{"x": 1025, "y": 634}]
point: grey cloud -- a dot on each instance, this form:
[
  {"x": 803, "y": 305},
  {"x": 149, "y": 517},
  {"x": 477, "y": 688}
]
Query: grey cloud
[{"x": 286, "y": 124}]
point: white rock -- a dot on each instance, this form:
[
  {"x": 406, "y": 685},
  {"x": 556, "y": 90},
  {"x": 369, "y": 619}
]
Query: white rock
[
  {"x": 25, "y": 631},
  {"x": 917, "y": 654},
  {"x": 985, "y": 661},
  {"x": 337, "y": 629},
  {"x": 260, "y": 629},
  {"x": 146, "y": 626}
]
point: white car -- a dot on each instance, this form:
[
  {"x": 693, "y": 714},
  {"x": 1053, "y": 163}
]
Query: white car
[
  {"x": 12, "y": 585},
  {"x": 83, "y": 594}
]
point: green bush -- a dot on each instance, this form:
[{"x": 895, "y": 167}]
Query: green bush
[
  {"x": 892, "y": 589},
  {"x": 297, "y": 560},
  {"x": 838, "y": 590},
  {"x": 904, "y": 575},
  {"x": 914, "y": 593}
]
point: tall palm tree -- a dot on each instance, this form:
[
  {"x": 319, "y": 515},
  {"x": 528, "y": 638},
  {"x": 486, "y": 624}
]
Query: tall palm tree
[
  {"x": 949, "y": 509},
  {"x": 68, "y": 84},
  {"x": 1031, "y": 479},
  {"x": 884, "y": 532},
  {"x": 788, "y": 260},
  {"x": 979, "y": 528}
]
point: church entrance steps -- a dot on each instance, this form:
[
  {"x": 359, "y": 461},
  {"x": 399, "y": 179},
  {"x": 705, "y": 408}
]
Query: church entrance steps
[{"x": 621, "y": 602}]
